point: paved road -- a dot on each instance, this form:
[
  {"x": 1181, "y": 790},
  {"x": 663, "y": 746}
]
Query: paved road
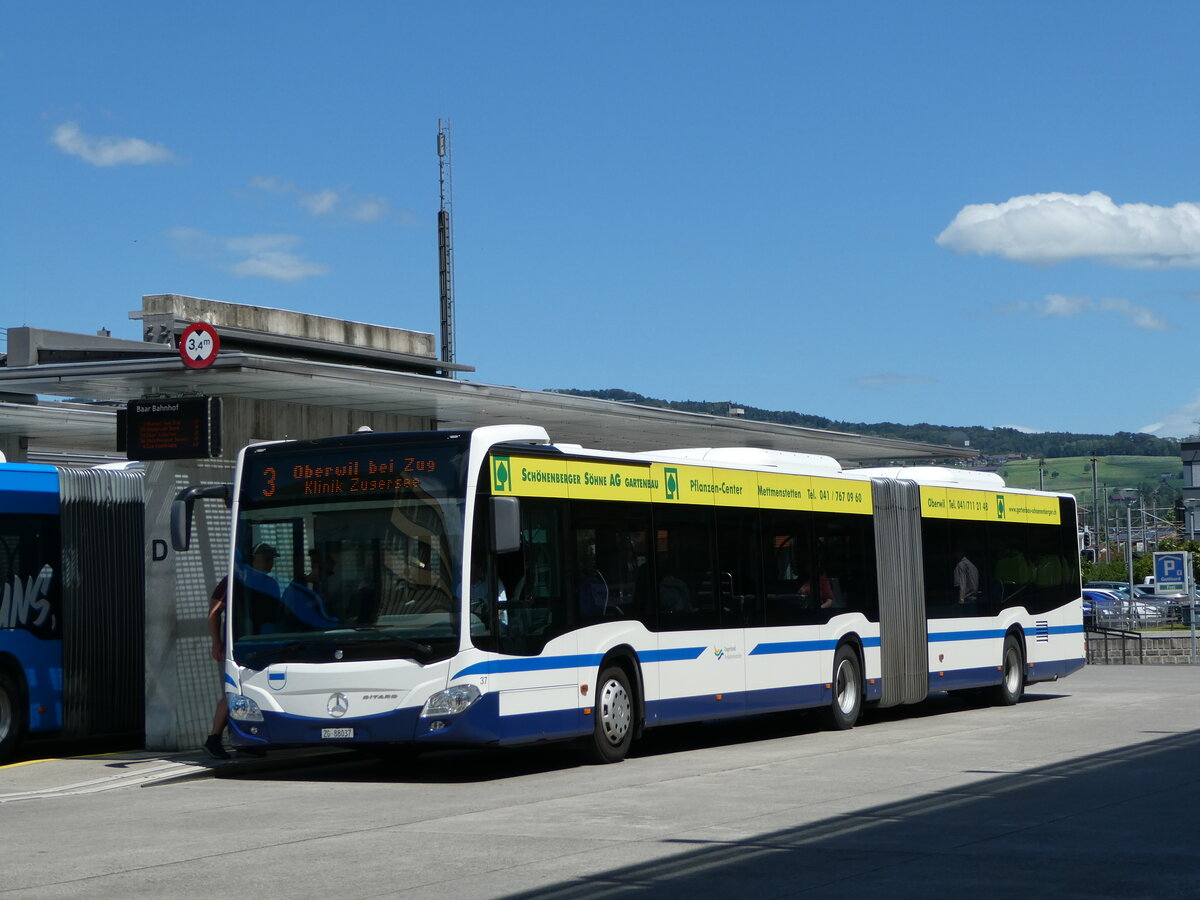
[{"x": 1090, "y": 788}]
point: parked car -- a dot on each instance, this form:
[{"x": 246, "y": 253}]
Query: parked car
[
  {"x": 1122, "y": 588},
  {"x": 1113, "y": 607},
  {"x": 1109, "y": 585},
  {"x": 1153, "y": 592},
  {"x": 1101, "y": 607}
]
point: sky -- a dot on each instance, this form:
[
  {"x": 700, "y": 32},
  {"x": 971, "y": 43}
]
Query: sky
[{"x": 941, "y": 212}]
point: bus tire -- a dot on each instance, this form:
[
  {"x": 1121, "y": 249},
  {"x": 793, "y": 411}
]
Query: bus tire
[
  {"x": 1012, "y": 667},
  {"x": 12, "y": 718},
  {"x": 613, "y": 717},
  {"x": 846, "y": 705}
]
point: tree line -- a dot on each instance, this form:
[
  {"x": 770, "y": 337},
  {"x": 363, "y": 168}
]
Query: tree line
[{"x": 987, "y": 441}]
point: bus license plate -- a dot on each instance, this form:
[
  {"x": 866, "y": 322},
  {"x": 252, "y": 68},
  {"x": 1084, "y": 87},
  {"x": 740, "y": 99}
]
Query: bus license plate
[{"x": 337, "y": 734}]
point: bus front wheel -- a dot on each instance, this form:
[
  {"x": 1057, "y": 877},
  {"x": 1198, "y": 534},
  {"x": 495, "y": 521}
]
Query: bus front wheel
[
  {"x": 12, "y": 722},
  {"x": 612, "y": 732},
  {"x": 1012, "y": 685},
  {"x": 847, "y": 700}
]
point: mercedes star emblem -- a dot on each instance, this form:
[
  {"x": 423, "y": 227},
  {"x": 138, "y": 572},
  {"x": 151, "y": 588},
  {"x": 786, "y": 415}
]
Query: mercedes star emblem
[{"x": 337, "y": 705}]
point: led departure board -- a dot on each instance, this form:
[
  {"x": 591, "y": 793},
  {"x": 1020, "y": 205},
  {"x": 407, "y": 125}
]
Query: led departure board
[{"x": 171, "y": 428}]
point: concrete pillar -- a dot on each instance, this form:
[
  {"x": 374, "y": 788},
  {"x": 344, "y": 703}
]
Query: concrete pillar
[{"x": 15, "y": 447}]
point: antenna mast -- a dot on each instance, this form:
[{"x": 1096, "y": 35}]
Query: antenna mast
[{"x": 446, "y": 244}]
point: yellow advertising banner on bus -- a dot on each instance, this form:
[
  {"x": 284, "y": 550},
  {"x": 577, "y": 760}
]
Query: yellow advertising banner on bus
[
  {"x": 602, "y": 479},
  {"x": 988, "y": 506},
  {"x": 586, "y": 479},
  {"x": 583, "y": 479}
]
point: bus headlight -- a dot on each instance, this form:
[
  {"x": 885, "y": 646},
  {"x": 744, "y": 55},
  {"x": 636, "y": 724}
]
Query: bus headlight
[
  {"x": 243, "y": 709},
  {"x": 453, "y": 700}
]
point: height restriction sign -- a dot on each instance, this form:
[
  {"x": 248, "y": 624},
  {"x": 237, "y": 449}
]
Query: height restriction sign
[{"x": 199, "y": 345}]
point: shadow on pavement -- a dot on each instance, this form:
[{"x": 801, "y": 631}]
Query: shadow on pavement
[{"x": 1087, "y": 828}]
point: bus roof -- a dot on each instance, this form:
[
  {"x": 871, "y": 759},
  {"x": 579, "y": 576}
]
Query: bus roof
[{"x": 28, "y": 488}]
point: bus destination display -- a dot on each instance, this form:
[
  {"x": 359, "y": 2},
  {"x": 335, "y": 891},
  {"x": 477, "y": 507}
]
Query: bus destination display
[{"x": 344, "y": 474}]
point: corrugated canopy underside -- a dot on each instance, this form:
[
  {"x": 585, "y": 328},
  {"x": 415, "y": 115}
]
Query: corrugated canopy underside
[{"x": 452, "y": 403}]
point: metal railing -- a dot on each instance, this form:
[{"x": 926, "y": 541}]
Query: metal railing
[{"x": 1113, "y": 635}]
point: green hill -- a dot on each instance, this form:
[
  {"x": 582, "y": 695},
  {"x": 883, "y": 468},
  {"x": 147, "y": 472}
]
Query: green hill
[{"x": 1153, "y": 475}]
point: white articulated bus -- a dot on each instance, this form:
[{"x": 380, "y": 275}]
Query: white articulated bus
[{"x": 488, "y": 587}]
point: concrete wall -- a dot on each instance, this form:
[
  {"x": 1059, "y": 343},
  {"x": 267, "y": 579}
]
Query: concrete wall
[
  {"x": 1151, "y": 650},
  {"x": 282, "y": 322},
  {"x": 183, "y": 682}
]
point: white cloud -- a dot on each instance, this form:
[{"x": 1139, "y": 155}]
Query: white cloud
[
  {"x": 278, "y": 265},
  {"x": 326, "y": 201},
  {"x": 884, "y": 380},
  {"x": 272, "y": 184},
  {"x": 370, "y": 209},
  {"x": 1023, "y": 429},
  {"x": 1064, "y": 306},
  {"x": 108, "y": 151},
  {"x": 320, "y": 203},
  {"x": 1178, "y": 423},
  {"x": 252, "y": 256},
  {"x": 1053, "y": 228}
]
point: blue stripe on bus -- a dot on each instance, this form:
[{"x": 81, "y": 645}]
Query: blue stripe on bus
[
  {"x": 675, "y": 654},
  {"x": 803, "y": 646},
  {"x": 997, "y": 633},
  {"x": 981, "y": 635},
  {"x": 574, "y": 661},
  {"x": 683, "y": 654},
  {"x": 792, "y": 647},
  {"x": 529, "y": 664}
]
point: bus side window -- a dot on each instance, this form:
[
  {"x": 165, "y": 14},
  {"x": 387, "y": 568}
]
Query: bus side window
[
  {"x": 787, "y": 538},
  {"x": 611, "y": 545},
  {"x": 740, "y": 563},
  {"x": 686, "y": 590}
]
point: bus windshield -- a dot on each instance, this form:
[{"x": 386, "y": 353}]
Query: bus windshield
[{"x": 348, "y": 551}]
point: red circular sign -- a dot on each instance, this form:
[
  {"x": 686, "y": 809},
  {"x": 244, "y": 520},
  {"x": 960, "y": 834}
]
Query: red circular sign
[{"x": 199, "y": 345}]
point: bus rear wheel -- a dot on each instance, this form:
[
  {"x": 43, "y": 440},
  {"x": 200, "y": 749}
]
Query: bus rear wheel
[
  {"x": 12, "y": 722},
  {"x": 846, "y": 705},
  {"x": 612, "y": 731},
  {"x": 1012, "y": 685}
]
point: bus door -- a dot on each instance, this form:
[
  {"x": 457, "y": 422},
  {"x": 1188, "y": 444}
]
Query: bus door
[
  {"x": 538, "y": 680},
  {"x": 702, "y": 652},
  {"x": 786, "y": 667}
]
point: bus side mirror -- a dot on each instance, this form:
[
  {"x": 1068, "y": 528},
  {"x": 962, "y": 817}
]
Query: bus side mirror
[
  {"x": 506, "y": 524},
  {"x": 183, "y": 506}
]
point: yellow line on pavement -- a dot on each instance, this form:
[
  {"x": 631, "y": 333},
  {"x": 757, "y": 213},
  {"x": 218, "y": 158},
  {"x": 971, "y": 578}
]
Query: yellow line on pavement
[{"x": 28, "y": 762}]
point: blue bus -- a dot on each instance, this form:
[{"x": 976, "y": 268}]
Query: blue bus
[{"x": 71, "y": 603}]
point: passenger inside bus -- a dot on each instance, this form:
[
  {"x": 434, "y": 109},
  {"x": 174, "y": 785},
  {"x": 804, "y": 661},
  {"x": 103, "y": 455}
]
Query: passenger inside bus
[
  {"x": 966, "y": 579},
  {"x": 303, "y": 599},
  {"x": 262, "y": 590},
  {"x": 825, "y": 600}
]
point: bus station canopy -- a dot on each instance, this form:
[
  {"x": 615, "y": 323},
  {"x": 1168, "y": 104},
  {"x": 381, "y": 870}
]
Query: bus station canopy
[{"x": 453, "y": 403}]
